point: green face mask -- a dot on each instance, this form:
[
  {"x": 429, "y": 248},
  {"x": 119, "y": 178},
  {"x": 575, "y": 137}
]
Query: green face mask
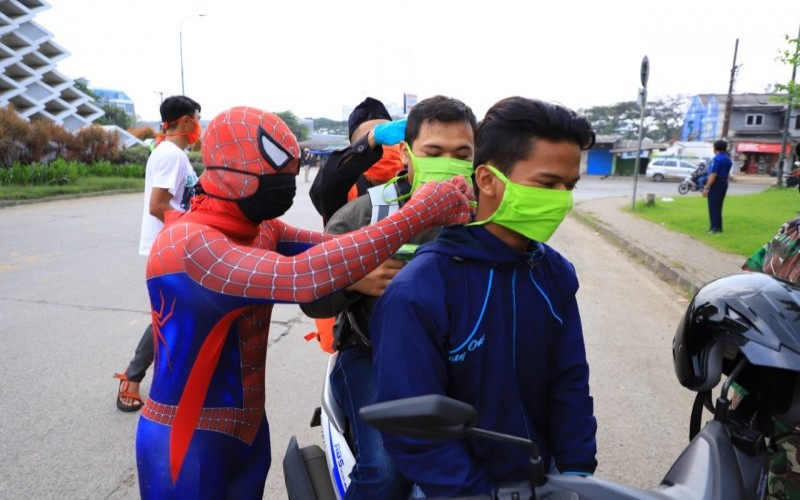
[
  {"x": 437, "y": 168},
  {"x": 530, "y": 211}
]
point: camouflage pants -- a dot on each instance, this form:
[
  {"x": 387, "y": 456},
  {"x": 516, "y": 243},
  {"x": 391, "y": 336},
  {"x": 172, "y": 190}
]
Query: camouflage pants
[{"x": 783, "y": 480}]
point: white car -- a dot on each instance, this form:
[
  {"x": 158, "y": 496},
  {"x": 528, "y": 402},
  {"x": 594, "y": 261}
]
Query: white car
[{"x": 660, "y": 169}]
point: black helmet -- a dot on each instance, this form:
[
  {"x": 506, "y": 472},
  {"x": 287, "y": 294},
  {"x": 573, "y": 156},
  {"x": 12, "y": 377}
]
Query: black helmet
[{"x": 749, "y": 314}]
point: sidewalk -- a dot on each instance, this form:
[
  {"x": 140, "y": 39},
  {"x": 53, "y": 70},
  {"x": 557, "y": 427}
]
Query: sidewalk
[{"x": 675, "y": 257}]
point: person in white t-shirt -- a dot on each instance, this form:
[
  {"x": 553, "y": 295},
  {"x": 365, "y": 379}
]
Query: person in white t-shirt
[{"x": 169, "y": 184}]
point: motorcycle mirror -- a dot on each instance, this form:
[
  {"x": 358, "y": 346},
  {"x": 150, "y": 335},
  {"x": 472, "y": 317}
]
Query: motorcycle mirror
[{"x": 432, "y": 416}]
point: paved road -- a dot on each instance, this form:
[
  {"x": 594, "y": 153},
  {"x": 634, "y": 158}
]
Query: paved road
[
  {"x": 73, "y": 305},
  {"x": 597, "y": 187}
]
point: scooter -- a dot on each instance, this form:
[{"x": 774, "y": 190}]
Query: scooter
[
  {"x": 745, "y": 326},
  {"x": 306, "y": 474},
  {"x": 311, "y": 473},
  {"x": 689, "y": 183}
]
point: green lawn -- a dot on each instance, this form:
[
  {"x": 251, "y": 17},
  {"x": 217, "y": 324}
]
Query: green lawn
[
  {"x": 80, "y": 186},
  {"x": 749, "y": 220}
]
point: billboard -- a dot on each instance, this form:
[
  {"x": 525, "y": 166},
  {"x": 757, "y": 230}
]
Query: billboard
[{"x": 409, "y": 100}]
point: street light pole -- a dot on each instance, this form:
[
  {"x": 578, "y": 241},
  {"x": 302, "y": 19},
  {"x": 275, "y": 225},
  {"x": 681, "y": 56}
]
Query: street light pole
[{"x": 180, "y": 41}]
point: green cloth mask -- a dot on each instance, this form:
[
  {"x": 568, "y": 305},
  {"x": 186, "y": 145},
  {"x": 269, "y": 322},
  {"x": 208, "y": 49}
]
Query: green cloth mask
[
  {"x": 437, "y": 168},
  {"x": 533, "y": 212}
]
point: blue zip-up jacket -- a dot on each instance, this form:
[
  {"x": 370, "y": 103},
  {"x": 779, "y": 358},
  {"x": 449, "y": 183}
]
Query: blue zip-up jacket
[{"x": 476, "y": 320}]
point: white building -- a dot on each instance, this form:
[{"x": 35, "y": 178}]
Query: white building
[{"x": 29, "y": 79}]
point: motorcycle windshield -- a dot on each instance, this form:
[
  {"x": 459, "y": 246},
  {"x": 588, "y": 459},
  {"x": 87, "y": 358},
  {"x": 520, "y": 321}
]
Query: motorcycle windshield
[{"x": 756, "y": 314}]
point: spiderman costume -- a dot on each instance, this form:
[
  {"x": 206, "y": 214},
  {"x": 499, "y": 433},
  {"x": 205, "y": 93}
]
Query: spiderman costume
[{"x": 213, "y": 275}]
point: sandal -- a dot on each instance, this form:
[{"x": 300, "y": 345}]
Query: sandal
[{"x": 124, "y": 384}]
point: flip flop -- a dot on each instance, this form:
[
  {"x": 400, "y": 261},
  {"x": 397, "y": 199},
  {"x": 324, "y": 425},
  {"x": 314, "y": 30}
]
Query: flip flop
[{"x": 124, "y": 383}]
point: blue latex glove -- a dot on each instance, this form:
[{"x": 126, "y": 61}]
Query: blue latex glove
[{"x": 389, "y": 133}]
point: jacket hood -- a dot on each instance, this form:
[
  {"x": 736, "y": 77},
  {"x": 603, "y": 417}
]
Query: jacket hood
[{"x": 476, "y": 243}]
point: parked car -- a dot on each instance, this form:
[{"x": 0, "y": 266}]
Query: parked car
[{"x": 660, "y": 169}]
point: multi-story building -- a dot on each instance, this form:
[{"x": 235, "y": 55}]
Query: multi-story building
[
  {"x": 29, "y": 80},
  {"x": 116, "y": 98},
  {"x": 755, "y": 128}
]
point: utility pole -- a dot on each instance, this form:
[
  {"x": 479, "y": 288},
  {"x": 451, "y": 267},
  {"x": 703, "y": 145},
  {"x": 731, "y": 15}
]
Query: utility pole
[
  {"x": 788, "y": 113},
  {"x": 729, "y": 101}
]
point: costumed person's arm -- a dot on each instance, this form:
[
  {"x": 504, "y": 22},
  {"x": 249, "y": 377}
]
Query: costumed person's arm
[
  {"x": 333, "y": 181},
  {"x": 217, "y": 263},
  {"x": 286, "y": 233},
  {"x": 571, "y": 420},
  {"x": 354, "y": 215},
  {"x": 408, "y": 330}
]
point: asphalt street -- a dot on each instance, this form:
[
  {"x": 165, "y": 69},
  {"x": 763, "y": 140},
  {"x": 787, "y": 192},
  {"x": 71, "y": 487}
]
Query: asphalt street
[{"x": 73, "y": 306}]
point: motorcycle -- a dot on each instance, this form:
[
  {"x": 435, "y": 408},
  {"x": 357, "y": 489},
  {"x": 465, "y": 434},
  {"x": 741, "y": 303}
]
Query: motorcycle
[
  {"x": 306, "y": 474},
  {"x": 746, "y": 327},
  {"x": 689, "y": 183},
  {"x": 311, "y": 473}
]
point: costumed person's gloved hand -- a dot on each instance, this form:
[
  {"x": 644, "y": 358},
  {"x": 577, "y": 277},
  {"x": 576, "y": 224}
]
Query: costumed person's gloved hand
[
  {"x": 389, "y": 133},
  {"x": 450, "y": 202}
]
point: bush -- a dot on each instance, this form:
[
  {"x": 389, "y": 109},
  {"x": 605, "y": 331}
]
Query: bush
[
  {"x": 196, "y": 159},
  {"x": 60, "y": 172},
  {"x": 136, "y": 155},
  {"x": 46, "y": 141},
  {"x": 143, "y": 133},
  {"x": 93, "y": 144},
  {"x": 13, "y": 136}
]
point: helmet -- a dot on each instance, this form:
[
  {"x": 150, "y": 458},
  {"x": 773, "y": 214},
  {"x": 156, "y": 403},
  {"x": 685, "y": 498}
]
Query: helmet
[
  {"x": 749, "y": 314},
  {"x": 250, "y": 141}
]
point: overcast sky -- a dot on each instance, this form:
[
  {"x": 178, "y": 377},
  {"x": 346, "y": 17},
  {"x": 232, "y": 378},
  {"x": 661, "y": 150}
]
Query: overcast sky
[{"x": 314, "y": 57}]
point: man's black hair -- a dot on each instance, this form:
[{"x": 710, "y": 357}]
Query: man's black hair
[
  {"x": 437, "y": 108},
  {"x": 509, "y": 131},
  {"x": 720, "y": 145},
  {"x": 369, "y": 109},
  {"x": 176, "y": 106}
]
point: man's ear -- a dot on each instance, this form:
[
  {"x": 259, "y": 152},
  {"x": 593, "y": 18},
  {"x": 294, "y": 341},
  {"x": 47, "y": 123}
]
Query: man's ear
[
  {"x": 405, "y": 159},
  {"x": 485, "y": 181}
]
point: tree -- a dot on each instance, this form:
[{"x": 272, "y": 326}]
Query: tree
[
  {"x": 620, "y": 119},
  {"x": 115, "y": 116},
  {"x": 790, "y": 56},
  {"x": 663, "y": 119},
  {"x": 82, "y": 84},
  {"x": 299, "y": 131},
  {"x": 328, "y": 126}
]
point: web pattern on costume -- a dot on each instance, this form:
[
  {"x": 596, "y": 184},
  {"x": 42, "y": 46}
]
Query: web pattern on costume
[
  {"x": 234, "y": 142},
  {"x": 215, "y": 262},
  {"x": 241, "y": 423}
]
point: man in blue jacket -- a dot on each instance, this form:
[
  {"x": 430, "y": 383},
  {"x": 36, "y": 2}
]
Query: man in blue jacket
[
  {"x": 717, "y": 185},
  {"x": 487, "y": 313}
]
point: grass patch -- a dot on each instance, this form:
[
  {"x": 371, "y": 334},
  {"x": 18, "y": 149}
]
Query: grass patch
[
  {"x": 749, "y": 220},
  {"x": 81, "y": 185}
]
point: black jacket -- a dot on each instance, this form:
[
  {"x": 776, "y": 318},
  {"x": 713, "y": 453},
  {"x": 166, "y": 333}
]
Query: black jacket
[
  {"x": 343, "y": 169},
  {"x": 354, "y": 215}
]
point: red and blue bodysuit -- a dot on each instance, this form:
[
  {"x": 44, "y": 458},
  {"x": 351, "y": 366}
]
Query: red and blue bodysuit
[{"x": 213, "y": 275}]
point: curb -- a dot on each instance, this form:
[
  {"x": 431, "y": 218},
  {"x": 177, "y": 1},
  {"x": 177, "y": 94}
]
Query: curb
[
  {"x": 662, "y": 268},
  {"x": 15, "y": 203}
]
